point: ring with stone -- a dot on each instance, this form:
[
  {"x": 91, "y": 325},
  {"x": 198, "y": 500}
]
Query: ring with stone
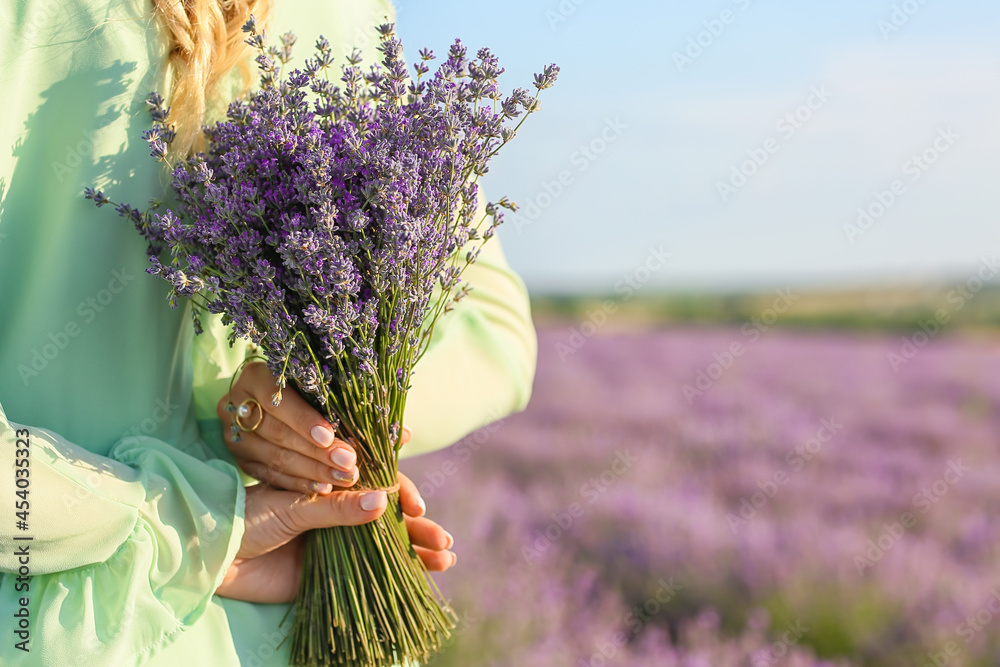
[{"x": 244, "y": 410}]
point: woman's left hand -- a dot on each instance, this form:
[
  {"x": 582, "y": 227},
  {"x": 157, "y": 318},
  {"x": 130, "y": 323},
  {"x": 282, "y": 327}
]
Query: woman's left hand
[{"x": 268, "y": 566}]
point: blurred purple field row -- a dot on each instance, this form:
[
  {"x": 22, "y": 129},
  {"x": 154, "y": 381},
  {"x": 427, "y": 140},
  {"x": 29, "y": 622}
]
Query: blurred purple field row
[{"x": 802, "y": 503}]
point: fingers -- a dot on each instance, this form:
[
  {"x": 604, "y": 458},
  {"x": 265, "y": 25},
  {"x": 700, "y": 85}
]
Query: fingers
[
  {"x": 429, "y": 539},
  {"x": 409, "y": 497},
  {"x": 293, "y": 410},
  {"x": 431, "y": 542},
  {"x": 340, "y": 508},
  {"x": 340, "y": 454},
  {"x": 298, "y": 432},
  {"x": 424, "y": 533},
  {"x": 258, "y": 456},
  {"x": 436, "y": 561},
  {"x": 282, "y": 481},
  {"x": 428, "y": 534}
]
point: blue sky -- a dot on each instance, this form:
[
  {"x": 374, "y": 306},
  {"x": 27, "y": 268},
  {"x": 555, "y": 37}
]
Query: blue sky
[{"x": 822, "y": 108}]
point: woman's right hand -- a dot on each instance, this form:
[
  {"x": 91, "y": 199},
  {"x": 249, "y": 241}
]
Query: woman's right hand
[
  {"x": 268, "y": 564},
  {"x": 292, "y": 446}
]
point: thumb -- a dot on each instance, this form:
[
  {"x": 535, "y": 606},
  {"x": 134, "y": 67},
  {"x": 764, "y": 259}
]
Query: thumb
[{"x": 340, "y": 508}]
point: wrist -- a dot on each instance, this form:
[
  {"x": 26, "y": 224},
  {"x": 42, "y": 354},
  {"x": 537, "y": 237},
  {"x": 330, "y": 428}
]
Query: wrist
[{"x": 229, "y": 578}]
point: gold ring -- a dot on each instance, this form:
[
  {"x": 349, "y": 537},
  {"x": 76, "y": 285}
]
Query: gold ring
[{"x": 244, "y": 410}]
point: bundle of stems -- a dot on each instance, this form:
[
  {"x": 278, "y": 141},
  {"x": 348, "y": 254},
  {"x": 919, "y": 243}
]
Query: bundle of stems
[{"x": 365, "y": 597}]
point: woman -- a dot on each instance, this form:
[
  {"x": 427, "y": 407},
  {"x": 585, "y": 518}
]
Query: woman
[{"x": 136, "y": 542}]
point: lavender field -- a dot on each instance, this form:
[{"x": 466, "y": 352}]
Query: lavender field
[{"x": 803, "y": 503}]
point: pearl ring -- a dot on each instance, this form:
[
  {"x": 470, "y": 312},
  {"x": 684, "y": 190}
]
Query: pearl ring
[{"x": 244, "y": 410}]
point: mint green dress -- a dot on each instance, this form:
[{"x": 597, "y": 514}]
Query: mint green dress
[{"x": 134, "y": 504}]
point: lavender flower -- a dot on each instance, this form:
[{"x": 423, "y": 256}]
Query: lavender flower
[{"x": 329, "y": 221}]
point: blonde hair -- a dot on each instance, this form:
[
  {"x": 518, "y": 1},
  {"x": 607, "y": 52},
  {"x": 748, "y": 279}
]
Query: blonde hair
[{"x": 205, "y": 43}]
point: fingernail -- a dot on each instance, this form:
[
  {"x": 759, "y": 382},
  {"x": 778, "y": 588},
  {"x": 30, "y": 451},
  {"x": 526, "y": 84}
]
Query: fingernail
[
  {"x": 454, "y": 557},
  {"x": 423, "y": 505},
  {"x": 343, "y": 458},
  {"x": 451, "y": 540},
  {"x": 322, "y": 435},
  {"x": 342, "y": 476},
  {"x": 321, "y": 489},
  {"x": 408, "y": 432},
  {"x": 373, "y": 500}
]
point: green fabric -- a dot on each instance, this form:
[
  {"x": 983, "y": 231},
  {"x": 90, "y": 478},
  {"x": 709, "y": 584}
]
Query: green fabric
[{"x": 135, "y": 504}]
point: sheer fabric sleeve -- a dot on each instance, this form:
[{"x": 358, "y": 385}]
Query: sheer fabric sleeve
[{"x": 126, "y": 549}]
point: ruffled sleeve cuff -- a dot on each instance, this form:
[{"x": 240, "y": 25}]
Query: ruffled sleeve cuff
[{"x": 128, "y": 549}]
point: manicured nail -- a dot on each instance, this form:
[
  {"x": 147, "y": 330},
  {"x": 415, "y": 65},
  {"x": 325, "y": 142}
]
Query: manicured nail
[
  {"x": 373, "y": 500},
  {"x": 451, "y": 540},
  {"x": 454, "y": 558},
  {"x": 319, "y": 488},
  {"x": 322, "y": 435},
  {"x": 342, "y": 476},
  {"x": 343, "y": 458},
  {"x": 423, "y": 505}
]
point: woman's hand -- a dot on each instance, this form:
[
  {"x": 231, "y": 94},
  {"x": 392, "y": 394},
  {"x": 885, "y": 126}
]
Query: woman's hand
[
  {"x": 269, "y": 563},
  {"x": 293, "y": 447}
]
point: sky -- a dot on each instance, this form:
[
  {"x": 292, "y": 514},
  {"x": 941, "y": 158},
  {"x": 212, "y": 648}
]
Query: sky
[{"x": 758, "y": 143}]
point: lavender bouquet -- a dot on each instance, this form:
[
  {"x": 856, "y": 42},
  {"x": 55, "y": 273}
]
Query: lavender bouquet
[{"x": 330, "y": 224}]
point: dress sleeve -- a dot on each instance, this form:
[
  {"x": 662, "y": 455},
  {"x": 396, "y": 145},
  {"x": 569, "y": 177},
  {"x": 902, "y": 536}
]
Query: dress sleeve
[
  {"x": 480, "y": 364},
  {"x": 126, "y": 549}
]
